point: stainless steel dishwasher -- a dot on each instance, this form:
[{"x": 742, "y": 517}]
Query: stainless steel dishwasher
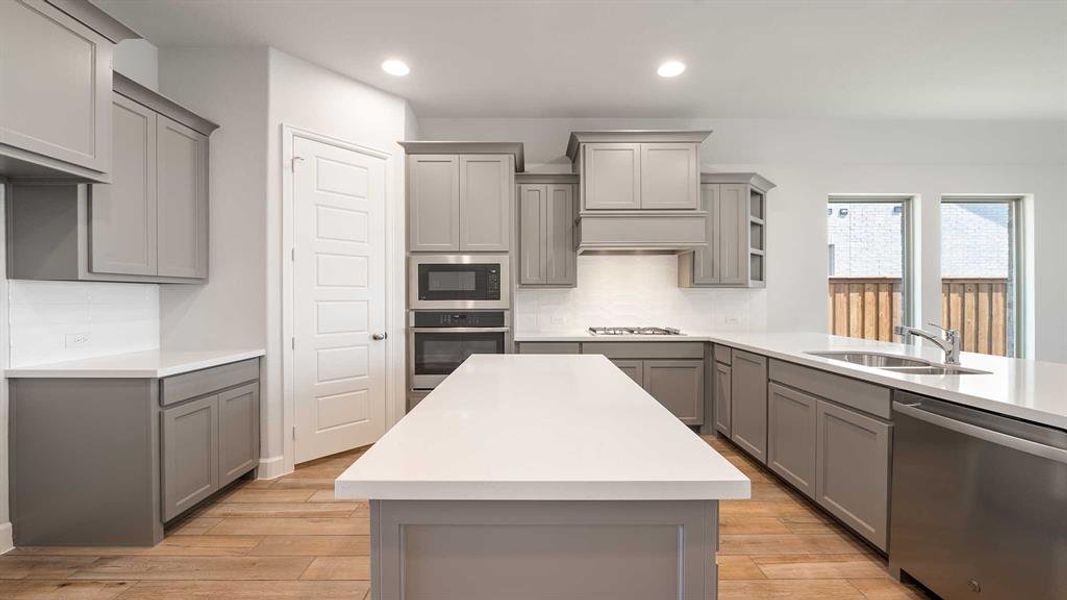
[{"x": 979, "y": 502}]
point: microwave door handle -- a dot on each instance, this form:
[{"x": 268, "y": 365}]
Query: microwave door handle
[{"x": 461, "y": 329}]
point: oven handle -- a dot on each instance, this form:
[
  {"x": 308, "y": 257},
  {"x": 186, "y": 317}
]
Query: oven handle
[{"x": 460, "y": 329}]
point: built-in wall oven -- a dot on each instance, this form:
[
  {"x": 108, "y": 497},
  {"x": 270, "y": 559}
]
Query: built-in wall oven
[
  {"x": 459, "y": 282},
  {"x": 439, "y": 341}
]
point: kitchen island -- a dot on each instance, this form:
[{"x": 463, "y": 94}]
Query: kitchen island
[{"x": 542, "y": 477}]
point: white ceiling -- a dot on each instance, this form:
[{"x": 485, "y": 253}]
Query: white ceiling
[{"x": 851, "y": 59}]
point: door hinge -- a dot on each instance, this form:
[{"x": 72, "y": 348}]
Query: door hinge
[
  {"x": 294, "y": 433},
  {"x": 292, "y": 342},
  {"x": 292, "y": 253}
]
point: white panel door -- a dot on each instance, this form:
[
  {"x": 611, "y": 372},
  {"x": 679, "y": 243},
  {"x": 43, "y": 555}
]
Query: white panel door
[{"x": 338, "y": 298}]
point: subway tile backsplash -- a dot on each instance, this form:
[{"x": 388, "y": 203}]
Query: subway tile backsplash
[
  {"x": 52, "y": 321},
  {"x": 636, "y": 290}
]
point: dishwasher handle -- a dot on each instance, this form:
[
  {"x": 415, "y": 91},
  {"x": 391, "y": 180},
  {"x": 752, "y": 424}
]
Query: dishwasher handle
[{"x": 994, "y": 437}]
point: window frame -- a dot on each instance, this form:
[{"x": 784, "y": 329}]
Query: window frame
[
  {"x": 1016, "y": 203},
  {"x": 907, "y": 274}
]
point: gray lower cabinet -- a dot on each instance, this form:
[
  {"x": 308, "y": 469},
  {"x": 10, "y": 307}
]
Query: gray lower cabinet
[
  {"x": 722, "y": 392},
  {"x": 634, "y": 369},
  {"x": 791, "y": 430},
  {"x": 852, "y": 472},
  {"x": 55, "y": 85},
  {"x": 748, "y": 406},
  {"x": 677, "y": 385},
  {"x": 547, "y": 256},
  {"x": 190, "y": 454},
  {"x": 109, "y": 461},
  {"x": 149, "y": 225},
  {"x": 549, "y": 348}
]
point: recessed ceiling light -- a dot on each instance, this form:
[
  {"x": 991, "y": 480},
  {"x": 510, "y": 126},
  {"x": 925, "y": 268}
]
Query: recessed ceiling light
[
  {"x": 671, "y": 68},
  {"x": 397, "y": 67}
]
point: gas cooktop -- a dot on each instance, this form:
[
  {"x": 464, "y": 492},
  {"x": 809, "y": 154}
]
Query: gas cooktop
[{"x": 634, "y": 331}]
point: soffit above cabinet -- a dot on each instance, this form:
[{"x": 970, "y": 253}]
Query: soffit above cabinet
[
  {"x": 461, "y": 147},
  {"x": 633, "y": 135},
  {"x": 755, "y": 180},
  {"x": 161, "y": 104}
]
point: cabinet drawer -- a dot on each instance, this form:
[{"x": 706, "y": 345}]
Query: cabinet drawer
[
  {"x": 206, "y": 381},
  {"x": 645, "y": 349},
  {"x": 549, "y": 348},
  {"x": 860, "y": 395},
  {"x": 723, "y": 354}
]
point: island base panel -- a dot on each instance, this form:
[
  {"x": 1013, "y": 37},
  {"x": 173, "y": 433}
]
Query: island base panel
[{"x": 525, "y": 550}]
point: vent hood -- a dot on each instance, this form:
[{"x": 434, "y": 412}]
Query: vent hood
[{"x": 639, "y": 190}]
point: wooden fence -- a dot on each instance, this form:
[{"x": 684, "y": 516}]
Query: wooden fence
[{"x": 869, "y": 307}]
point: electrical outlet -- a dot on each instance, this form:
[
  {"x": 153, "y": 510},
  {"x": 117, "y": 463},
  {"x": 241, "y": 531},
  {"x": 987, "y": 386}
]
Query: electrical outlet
[{"x": 76, "y": 340}]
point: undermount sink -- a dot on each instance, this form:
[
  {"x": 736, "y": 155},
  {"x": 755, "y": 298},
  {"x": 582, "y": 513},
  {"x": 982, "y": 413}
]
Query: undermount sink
[{"x": 896, "y": 363}]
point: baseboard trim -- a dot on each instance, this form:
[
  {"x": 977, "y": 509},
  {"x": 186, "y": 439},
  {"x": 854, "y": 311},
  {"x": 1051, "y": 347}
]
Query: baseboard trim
[
  {"x": 271, "y": 468},
  {"x": 7, "y": 540}
]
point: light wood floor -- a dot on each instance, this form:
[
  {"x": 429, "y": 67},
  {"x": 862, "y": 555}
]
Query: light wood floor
[{"x": 289, "y": 538}]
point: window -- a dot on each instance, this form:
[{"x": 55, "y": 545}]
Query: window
[
  {"x": 869, "y": 283},
  {"x": 980, "y": 274}
]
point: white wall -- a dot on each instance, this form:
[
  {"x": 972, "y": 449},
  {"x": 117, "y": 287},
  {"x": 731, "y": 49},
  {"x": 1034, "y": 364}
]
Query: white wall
[
  {"x": 314, "y": 99},
  {"x": 811, "y": 159},
  {"x": 228, "y": 86}
]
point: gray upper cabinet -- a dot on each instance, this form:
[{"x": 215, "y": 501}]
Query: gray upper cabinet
[
  {"x": 611, "y": 176},
  {"x": 852, "y": 475},
  {"x": 748, "y": 410},
  {"x": 149, "y": 225},
  {"x": 123, "y": 215},
  {"x": 791, "y": 425},
  {"x": 182, "y": 189},
  {"x": 547, "y": 255},
  {"x": 670, "y": 176},
  {"x": 486, "y": 182},
  {"x": 433, "y": 203},
  {"x": 190, "y": 454},
  {"x": 55, "y": 89},
  {"x": 736, "y": 253},
  {"x": 460, "y": 195},
  {"x": 679, "y": 386},
  {"x": 637, "y": 170}
]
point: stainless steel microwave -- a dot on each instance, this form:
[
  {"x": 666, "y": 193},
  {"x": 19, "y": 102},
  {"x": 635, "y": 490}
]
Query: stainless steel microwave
[{"x": 459, "y": 281}]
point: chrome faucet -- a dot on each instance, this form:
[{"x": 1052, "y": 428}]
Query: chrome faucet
[{"x": 950, "y": 344}]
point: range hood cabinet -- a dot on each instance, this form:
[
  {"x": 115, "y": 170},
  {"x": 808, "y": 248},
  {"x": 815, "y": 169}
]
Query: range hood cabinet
[{"x": 641, "y": 231}]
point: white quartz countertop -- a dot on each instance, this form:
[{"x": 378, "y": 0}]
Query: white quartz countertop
[
  {"x": 540, "y": 427},
  {"x": 1027, "y": 389},
  {"x": 149, "y": 364}
]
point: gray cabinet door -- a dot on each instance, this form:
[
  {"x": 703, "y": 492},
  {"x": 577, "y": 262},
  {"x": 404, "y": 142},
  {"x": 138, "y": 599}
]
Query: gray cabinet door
[
  {"x": 634, "y": 369},
  {"x": 748, "y": 414},
  {"x": 732, "y": 227},
  {"x": 433, "y": 202},
  {"x": 486, "y": 182},
  {"x": 678, "y": 385},
  {"x": 182, "y": 199},
  {"x": 55, "y": 90},
  {"x": 791, "y": 419},
  {"x": 122, "y": 215},
  {"x": 560, "y": 213},
  {"x": 706, "y": 258},
  {"x": 670, "y": 176},
  {"x": 723, "y": 393},
  {"x": 611, "y": 176},
  {"x": 852, "y": 475},
  {"x": 549, "y": 348},
  {"x": 533, "y": 232},
  {"x": 190, "y": 454},
  {"x": 238, "y": 432}
]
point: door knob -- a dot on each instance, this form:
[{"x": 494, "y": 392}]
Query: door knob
[{"x": 379, "y": 336}]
